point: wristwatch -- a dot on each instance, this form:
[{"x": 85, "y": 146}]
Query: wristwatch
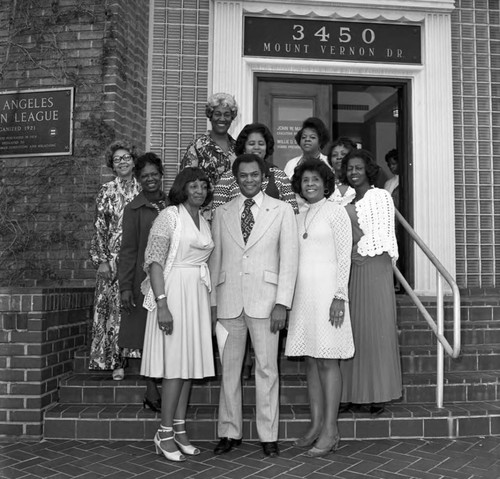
[{"x": 161, "y": 296}]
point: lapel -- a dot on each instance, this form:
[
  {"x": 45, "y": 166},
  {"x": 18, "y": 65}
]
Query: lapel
[
  {"x": 267, "y": 215},
  {"x": 231, "y": 217}
]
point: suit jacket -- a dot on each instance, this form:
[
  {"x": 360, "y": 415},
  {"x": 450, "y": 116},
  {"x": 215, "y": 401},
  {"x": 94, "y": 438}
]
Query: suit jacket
[{"x": 256, "y": 276}]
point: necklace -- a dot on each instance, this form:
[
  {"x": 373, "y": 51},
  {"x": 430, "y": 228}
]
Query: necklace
[
  {"x": 306, "y": 227},
  {"x": 158, "y": 205}
]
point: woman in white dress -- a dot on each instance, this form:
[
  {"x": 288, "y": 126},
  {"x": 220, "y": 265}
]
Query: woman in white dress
[
  {"x": 312, "y": 138},
  {"x": 178, "y": 338},
  {"x": 320, "y": 326}
]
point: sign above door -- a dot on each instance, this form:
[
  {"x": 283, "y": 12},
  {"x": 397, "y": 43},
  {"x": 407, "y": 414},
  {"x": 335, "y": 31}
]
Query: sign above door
[{"x": 331, "y": 40}]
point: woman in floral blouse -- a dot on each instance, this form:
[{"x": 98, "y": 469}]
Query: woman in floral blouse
[
  {"x": 104, "y": 249},
  {"x": 213, "y": 152}
]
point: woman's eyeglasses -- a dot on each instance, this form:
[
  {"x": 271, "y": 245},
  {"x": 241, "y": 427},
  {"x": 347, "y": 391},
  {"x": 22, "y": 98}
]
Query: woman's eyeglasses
[{"x": 119, "y": 159}]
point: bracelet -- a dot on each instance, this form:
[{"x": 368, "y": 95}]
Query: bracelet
[{"x": 162, "y": 296}]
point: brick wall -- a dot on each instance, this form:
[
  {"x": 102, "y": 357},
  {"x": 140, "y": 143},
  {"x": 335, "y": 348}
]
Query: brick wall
[
  {"x": 476, "y": 80},
  {"x": 40, "y": 329},
  {"x": 47, "y": 203},
  {"x": 180, "y": 78}
]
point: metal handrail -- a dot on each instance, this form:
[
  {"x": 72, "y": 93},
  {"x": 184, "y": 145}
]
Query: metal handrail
[{"x": 437, "y": 327}]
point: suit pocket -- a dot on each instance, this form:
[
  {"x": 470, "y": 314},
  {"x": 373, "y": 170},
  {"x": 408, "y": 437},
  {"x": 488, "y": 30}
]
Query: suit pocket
[
  {"x": 222, "y": 278},
  {"x": 270, "y": 277}
]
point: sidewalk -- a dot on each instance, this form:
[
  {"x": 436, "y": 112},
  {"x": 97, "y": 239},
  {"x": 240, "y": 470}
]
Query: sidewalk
[{"x": 470, "y": 458}]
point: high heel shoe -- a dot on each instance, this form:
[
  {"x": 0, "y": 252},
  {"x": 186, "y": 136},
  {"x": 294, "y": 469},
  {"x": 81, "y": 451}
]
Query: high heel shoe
[
  {"x": 155, "y": 406},
  {"x": 316, "y": 452},
  {"x": 189, "y": 449},
  {"x": 175, "y": 456},
  {"x": 305, "y": 441}
]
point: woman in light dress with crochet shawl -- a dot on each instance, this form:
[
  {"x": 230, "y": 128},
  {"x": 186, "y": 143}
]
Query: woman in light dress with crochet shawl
[
  {"x": 320, "y": 327},
  {"x": 178, "y": 337},
  {"x": 373, "y": 376}
]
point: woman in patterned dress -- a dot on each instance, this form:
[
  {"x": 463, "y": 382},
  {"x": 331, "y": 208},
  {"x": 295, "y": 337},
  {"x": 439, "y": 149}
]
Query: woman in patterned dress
[
  {"x": 213, "y": 152},
  {"x": 104, "y": 249},
  {"x": 257, "y": 139},
  {"x": 320, "y": 327}
]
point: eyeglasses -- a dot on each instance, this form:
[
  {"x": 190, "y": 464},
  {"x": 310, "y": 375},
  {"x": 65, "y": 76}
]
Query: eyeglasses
[{"x": 119, "y": 159}]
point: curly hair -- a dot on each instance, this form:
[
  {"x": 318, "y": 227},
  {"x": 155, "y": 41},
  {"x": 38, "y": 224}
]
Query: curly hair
[
  {"x": 239, "y": 147},
  {"x": 221, "y": 99},
  {"x": 148, "y": 158},
  {"x": 318, "y": 126},
  {"x": 392, "y": 154},
  {"x": 316, "y": 166},
  {"x": 345, "y": 142},
  {"x": 249, "y": 158},
  {"x": 371, "y": 168},
  {"x": 119, "y": 145},
  {"x": 178, "y": 192}
]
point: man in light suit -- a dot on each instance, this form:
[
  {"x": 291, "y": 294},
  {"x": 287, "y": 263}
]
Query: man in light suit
[{"x": 253, "y": 268}]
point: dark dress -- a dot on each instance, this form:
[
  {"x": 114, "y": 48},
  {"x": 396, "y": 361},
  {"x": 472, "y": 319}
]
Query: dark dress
[
  {"x": 373, "y": 375},
  {"x": 138, "y": 218}
]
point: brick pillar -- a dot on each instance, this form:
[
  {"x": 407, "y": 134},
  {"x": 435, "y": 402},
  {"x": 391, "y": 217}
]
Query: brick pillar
[{"x": 40, "y": 330}]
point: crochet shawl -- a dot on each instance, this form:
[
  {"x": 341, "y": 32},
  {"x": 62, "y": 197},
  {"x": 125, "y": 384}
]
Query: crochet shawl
[{"x": 167, "y": 225}]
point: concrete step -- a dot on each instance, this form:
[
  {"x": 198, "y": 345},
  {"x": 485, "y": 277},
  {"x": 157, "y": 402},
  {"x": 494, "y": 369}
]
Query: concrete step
[{"x": 132, "y": 422}]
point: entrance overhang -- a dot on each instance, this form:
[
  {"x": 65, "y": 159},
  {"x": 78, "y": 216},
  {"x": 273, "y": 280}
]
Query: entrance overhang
[{"x": 431, "y": 132}]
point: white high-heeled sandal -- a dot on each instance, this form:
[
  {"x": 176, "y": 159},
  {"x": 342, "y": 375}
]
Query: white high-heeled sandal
[
  {"x": 190, "y": 450},
  {"x": 175, "y": 456}
]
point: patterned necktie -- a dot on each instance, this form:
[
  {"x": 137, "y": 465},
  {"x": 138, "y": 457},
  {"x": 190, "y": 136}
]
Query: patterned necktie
[{"x": 247, "y": 220}]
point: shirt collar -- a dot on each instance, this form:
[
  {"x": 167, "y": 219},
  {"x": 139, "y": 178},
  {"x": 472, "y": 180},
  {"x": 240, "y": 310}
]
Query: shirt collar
[{"x": 258, "y": 198}]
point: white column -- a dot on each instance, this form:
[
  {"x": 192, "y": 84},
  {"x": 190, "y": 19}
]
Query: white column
[
  {"x": 433, "y": 182},
  {"x": 227, "y": 59}
]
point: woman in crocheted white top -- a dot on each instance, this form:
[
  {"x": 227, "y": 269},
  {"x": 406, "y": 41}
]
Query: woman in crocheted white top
[
  {"x": 178, "y": 337},
  {"x": 320, "y": 326},
  {"x": 373, "y": 376}
]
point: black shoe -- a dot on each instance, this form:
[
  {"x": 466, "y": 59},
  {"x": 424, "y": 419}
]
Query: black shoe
[
  {"x": 344, "y": 407},
  {"x": 225, "y": 445},
  {"x": 270, "y": 449},
  {"x": 155, "y": 405},
  {"x": 377, "y": 409},
  {"x": 247, "y": 371}
]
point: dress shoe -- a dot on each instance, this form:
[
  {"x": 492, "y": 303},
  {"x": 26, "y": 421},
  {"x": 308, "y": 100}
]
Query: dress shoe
[
  {"x": 270, "y": 449},
  {"x": 376, "y": 409},
  {"x": 316, "y": 452},
  {"x": 225, "y": 445},
  {"x": 174, "y": 456},
  {"x": 305, "y": 441},
  {"x": 345, "y": 407},
  {"x": 247, "y": 371},
  {"x": 155, "y": 405}
]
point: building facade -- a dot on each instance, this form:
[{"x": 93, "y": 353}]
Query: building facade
[{"x": 421, "y": 76}]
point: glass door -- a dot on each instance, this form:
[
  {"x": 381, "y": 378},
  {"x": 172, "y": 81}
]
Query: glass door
[{"x": 373, "y": 113}]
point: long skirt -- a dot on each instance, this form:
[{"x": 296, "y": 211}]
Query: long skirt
[{"x": 373, "y": 375}]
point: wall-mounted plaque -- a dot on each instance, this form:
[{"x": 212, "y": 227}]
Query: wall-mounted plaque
[
  {"x": 36, "y": 122},
  {"x": 332, "y": 40}
]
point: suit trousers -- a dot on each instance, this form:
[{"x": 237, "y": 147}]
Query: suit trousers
[{"x": 265, "y": 344}]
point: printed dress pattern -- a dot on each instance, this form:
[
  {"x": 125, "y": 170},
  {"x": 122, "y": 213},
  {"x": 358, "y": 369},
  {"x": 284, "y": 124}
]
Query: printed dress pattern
[{"x": 105, "y": 246}]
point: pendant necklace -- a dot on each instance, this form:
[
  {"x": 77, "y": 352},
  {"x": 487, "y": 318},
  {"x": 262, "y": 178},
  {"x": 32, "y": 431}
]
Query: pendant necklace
[{"x": 306, "y": 235}]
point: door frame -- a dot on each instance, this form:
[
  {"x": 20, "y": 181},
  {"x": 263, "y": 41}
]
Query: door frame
[{"x": 403, "y": 137}]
